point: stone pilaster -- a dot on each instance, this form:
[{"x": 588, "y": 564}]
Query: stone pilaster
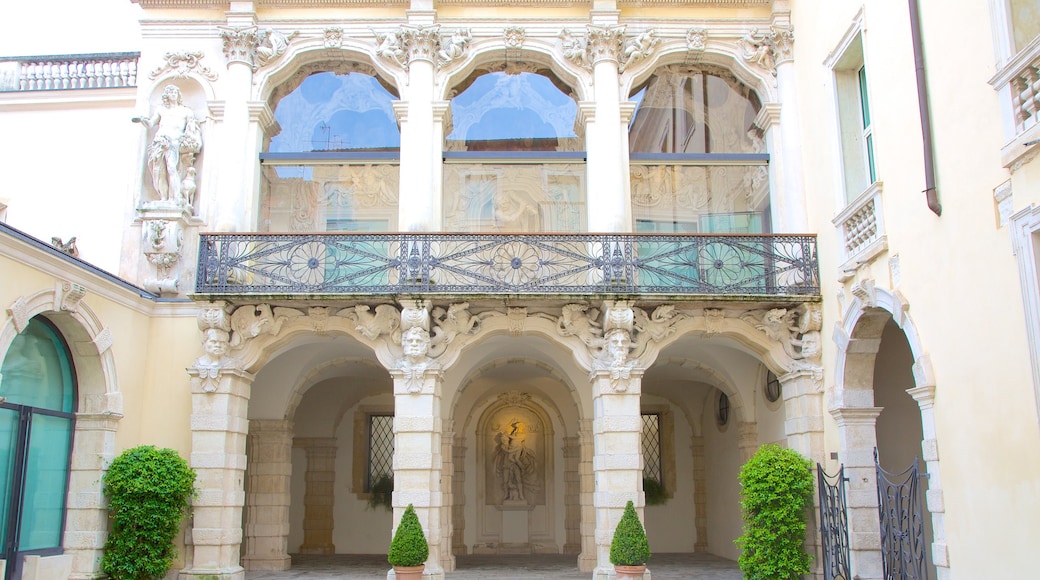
[
  {"x": 319, "y": 496},
  {"x": 448, "y": 482},
  {"x": 803, "y": 409},
  {"x": 571, "y": 495},
  {"x": 86, "y": 517},
  {"x": 587, "y": 558},
  {"x": 418, "y": 463},
  {"x": 700, "y": 493},
  {"x": 268, "y": 449},
  {"x": 747, "y": 440},
  {"x": 617, "y": 461},
  {"x": 419, "y": 208},
  {"x": 857, "y": 431},
  {"x": 218, "y": 455},
  {"x": 934, "y": 502},
  {"x": 458, "y": 492}
]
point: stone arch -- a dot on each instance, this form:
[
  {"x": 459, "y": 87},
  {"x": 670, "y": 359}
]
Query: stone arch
[
  {"x": 300, "y": 387},
  {"x": 305, "y": 57},
  {"x": 858, "y": 338},
  {"x": 720, "y": 382},
  {"x": 724, "y": 54},
  {"x": 538, "y": 54},
  {"x": 99, "y": 409}
]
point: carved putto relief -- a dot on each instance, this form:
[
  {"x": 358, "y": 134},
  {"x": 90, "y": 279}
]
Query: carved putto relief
[
  {"x": 410, "y": 43},
  {"x": 767, "y": 49},
  {"x": 797, "y": 330},
  {"x": 254, "y": 46}
]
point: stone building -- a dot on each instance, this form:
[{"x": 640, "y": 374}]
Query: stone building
[{"x": 523, "y": 262}]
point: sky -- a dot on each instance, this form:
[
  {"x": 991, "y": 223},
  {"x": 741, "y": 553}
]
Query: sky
[{"x": 43, "y": 27}]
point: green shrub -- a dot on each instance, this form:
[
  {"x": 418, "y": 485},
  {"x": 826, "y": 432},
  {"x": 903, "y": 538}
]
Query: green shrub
[
  {"x": 148, "y": 491},
  {"x": 409, "y": 547},
  {"x": 629, "y": 546},
  {"x": 653, "y": 492},
  {"x": 381, "y": 492},
  {"x": 776, "y": 488}
]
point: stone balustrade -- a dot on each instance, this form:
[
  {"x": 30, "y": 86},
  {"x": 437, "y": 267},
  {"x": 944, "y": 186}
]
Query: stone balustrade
[{"x": 70, "y": 71}]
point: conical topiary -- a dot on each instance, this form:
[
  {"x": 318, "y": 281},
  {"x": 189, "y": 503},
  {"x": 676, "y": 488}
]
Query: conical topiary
[
  {"x": 629, "y": 546},
  {"x": 409, "y": 547}
]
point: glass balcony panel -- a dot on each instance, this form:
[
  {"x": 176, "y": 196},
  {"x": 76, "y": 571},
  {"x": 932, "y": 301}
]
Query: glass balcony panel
[
  {"x": 700, "y": 199},
  {"x": 514, "y": 197},
  {"x": 326, "y": 198}
]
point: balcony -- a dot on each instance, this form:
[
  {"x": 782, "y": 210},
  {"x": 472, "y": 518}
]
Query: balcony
[
  {"x": 675, "y": 267},
  {"x": 64, "y": 72}
]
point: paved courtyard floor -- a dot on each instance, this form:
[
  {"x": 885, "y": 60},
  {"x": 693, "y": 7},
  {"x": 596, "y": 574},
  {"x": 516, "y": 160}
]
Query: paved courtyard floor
[{"x": 537, "y": 567}]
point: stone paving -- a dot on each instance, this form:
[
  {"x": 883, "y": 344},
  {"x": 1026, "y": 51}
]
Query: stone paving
[{"x": 540, "y": 567}]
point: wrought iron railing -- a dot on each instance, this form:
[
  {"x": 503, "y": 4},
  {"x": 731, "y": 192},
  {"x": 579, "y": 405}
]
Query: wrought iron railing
[
  {"x": 507, "y": 264},
  {"x": 834, "y": 524},
  {"x": 69, "y": 71},
  {"x": 903, "y": 542}
]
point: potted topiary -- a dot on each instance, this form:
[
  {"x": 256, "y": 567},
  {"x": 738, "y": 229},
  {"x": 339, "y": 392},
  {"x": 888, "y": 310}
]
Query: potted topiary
[
  {"x": 629, "y": 550},
  {"x": 408, "y": 549}
]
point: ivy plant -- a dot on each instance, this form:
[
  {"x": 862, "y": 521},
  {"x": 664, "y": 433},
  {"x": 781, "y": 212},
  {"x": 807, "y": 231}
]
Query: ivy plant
[
  {"x": 149, "y": 491},
  {"x": 409, "y": 546},
  {"x": 776, "y": 488},
  {"x": 381, "y": 492}
]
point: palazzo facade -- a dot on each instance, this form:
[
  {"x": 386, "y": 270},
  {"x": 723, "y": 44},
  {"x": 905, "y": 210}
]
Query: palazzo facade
[{"x": 516, "y": 264}]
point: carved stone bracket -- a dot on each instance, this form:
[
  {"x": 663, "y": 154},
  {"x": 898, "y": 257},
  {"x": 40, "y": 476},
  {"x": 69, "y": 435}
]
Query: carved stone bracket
[
  {"x": 333, "y": 37},
  {"x": 514, "y": 37},
  {"x": 19, "y": 313},
  {"x": 696, "y": 39},
  {"x": 69, "y": 295},
  {"x": 797, "y": 330},
  {"x": 163, "y": 240},
  {"x": 215, "y": 325},
  {"x": 182, "y": 63}
]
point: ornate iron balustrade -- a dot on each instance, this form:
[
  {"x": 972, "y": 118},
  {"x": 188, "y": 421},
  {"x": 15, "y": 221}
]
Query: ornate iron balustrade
[
  {"x": 834, "y": 524},
  {"x": 507, "y": 264},
  {"x": 903, "y": 544}
]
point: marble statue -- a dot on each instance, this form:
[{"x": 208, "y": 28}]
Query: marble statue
[{"x": 172, "y": 152}]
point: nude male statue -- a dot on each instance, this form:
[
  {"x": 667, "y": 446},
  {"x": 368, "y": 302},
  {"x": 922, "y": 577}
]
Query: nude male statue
[{"x": 177, "y": 140}]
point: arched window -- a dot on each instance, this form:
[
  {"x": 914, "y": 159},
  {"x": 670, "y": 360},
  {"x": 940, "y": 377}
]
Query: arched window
[
  {"x": 38, "y": 393},
  {"x": 698, "y": 162},
  {"x": 334, "y": 163},
  {"x": 513, "y": 161}
]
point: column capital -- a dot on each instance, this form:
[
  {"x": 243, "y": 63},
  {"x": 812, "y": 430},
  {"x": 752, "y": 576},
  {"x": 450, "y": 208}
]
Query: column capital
[
  {"x": 240, "y": 44},
  {"x": 848, "y": 416}
]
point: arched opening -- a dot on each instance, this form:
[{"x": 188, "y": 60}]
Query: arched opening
[
  {"x": 331, "y": 162},
  {"x": 38, "y": 401},
  {"x": 698, "y": 161},
  {"x": 513, "y": 159}
]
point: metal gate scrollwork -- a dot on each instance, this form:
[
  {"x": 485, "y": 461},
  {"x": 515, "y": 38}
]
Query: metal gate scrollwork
[
  {"x": 834, "y": 524},
  {"x": 902, "y": 525}
]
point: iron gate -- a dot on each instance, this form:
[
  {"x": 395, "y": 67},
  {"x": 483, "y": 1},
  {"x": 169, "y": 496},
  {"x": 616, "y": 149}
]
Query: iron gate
[
  {"x": 834, "y": 524},
  {"x": 902, "y": 525}
]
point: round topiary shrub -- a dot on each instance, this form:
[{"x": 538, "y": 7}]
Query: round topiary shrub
[
  {"x": 148, "y": 491},
  {"x": 776, "y": 488},
  {"x": 409, "y": 547},
  {"x": 629, "y": 546}
]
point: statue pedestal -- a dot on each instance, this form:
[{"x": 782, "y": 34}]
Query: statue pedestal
[{"x": 516, "y": 538}]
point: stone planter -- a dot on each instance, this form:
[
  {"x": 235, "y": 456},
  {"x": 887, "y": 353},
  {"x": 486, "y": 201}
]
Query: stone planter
[
  {"x": 629, "y": 572},
  {"x": 411, "y": 572}
]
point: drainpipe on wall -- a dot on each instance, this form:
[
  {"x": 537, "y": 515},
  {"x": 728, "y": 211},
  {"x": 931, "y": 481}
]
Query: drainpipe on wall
[{"x": 926, "y": 121}]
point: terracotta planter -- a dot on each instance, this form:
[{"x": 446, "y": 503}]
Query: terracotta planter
[
  {"x": 629, "y": 572},
  {"x": 411, "y": 572}
]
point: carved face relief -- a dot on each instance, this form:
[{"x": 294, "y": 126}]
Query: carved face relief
[
  {"x": 618, "y": 346},
  {"x": 416, "y": 344},
  {"x": 216, "y": 343}
]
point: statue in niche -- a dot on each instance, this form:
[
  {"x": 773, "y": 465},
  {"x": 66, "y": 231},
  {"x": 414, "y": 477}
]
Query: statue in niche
[
  {"x": 172, "y": 152},
  {"x": 514, "y": 462}
]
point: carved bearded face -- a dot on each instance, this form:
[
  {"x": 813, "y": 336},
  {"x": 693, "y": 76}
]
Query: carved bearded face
[
  {"x": 416, "y": 343},
  {"x": 618, "y": 345}
]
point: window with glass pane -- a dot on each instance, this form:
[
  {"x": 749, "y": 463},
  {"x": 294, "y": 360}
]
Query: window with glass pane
[
  {"x": 854, "y": 121},
  {"x": 380, "y": 448},
  {"x": 868, "y": 137},
  {"x": 36, "y": 428},
  {"x": 334, "y": 164},
  {"x": 651, "y": 442},
  {"x": 698, "y": 161},
  {"x": 513, "y": 162}
]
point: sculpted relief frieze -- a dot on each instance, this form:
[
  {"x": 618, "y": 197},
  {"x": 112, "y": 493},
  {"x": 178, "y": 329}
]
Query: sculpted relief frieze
[{"x": 796, "y": 329}]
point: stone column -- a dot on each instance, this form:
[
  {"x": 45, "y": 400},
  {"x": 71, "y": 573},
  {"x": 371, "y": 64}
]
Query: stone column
[
  {"x": 572, "y": 495},
  {"x": 606, "y": 172},
  {"x": 617, "y": 463},
  {"x": 419, "y": 204},
  {"x": 319, "y": 497},
  {"x": 418, "y": 463},
  {"x": 793, "y": 213},
  {"x": 218, "y": 455},
  {"x": 857, "y": 431},
  {"x": 237, "y": 163},
  {"x": 587, "y": 559},
  {"x": 934, "y": 502},
  {"x": 268, "y": 469},
  {"x": 700, "y": 493}
]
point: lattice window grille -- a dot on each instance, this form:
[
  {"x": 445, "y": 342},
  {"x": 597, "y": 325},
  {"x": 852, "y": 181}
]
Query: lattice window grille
[
  {"x": 380, "y": 448},
  {"x": 651, "y": 441}
]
